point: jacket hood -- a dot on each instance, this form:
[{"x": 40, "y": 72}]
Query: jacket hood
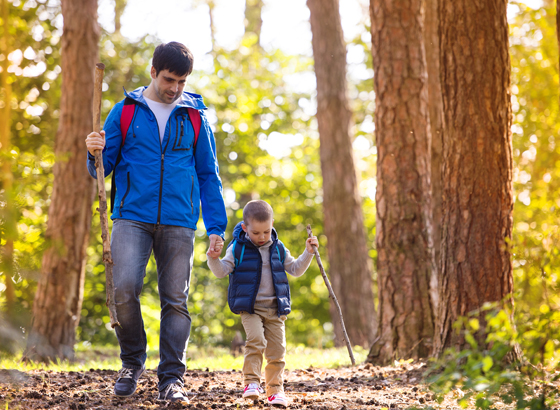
[
  {"x": 240, "y": 235},
  {"x": 190, "y": 100}
]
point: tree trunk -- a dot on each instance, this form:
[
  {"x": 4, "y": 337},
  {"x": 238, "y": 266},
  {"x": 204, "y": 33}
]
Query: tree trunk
[
  {"x": 253, "y": 18},
  {"x": 211, "y": 9},
  {"x": 350, "y": 270},
  {"x": 404, "y": 228},
  {"x": 59, "y": 293},
  {"x": 120, "y": 5},
  {"x": 435, "y": 107},
  {"x": 7, "y": 178},
  {"x": 477, "y": 163}
]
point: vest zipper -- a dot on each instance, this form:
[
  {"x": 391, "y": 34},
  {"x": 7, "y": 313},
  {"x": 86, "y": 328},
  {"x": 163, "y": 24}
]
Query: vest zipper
[{"x": 259, "y": 277}]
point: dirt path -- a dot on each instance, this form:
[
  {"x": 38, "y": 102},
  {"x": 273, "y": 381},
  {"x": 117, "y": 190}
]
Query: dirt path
[{"x": 359, "y": 387}]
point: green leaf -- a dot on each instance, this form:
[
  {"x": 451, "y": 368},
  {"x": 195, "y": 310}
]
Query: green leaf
[{"x": 487, "y": 363}]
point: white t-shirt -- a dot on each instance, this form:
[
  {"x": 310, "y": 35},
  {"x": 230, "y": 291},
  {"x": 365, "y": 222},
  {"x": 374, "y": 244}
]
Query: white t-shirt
[{"x": 162, "y": 111}]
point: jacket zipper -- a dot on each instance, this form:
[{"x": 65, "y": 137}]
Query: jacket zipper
[
  {"x": 134, "y": 119},
  {"x": 192, "y": 189},
  {"x": 160, "y": 190},
  {"x": 182, "y": 129},
  {"x": 163, "y": 149},
  {"x": 125, "y": 194},
  {"x": 160, "y": 177}
]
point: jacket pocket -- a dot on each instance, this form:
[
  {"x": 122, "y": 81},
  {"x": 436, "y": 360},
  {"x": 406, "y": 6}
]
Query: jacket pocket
[
  {"x": 183, "y": 138},
  {"x": 125, "y": 194}
]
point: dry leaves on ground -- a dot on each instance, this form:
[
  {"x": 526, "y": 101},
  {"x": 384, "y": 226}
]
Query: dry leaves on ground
[{"x": 358, "y": 387}]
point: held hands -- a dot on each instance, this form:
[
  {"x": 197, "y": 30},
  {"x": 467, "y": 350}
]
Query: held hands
[
  {"x": 95, "y": 141},
  {"x": 313, "y": 241},
  {"x": 216, "y": 246}
]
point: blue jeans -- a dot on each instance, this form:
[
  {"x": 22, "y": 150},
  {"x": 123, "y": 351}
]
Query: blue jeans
[{"x": 131, "y": 246}]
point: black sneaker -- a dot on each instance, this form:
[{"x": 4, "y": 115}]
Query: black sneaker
[
  {"x": 174, "y": 393},
  {"x": 125, "y": 385}
]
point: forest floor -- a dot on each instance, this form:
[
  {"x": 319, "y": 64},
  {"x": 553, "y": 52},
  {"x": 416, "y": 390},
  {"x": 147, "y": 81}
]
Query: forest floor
[
  {"x": 352, "y": 387},
  {"x": 357, "y": 387}
]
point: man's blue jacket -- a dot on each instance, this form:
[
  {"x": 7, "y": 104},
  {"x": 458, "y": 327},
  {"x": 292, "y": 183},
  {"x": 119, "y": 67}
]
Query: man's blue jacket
[{"x": 164, "y": 182}]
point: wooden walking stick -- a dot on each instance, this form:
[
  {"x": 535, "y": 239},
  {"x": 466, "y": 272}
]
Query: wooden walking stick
[
  {"x": 107, "y": 257},
  {"x": 332, "y": 296}
]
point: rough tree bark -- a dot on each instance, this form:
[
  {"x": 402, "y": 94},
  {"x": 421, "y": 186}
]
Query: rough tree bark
[
  {"x": 350, "y": 270},
  {"x": 477, "y": 162},
  {"x": 58, "y": 300},
  {"x": 405, "y": 259},
  {"x": 435, "y": 107}
]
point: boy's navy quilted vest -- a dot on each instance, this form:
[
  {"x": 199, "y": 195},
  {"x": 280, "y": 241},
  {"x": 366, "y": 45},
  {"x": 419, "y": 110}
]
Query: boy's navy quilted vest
[{"x": 245, "y": 279}]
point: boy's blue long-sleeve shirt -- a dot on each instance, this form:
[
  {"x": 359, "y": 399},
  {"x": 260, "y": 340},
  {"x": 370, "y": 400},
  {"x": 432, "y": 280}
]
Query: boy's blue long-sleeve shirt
[{"x": 164, "y": 182}]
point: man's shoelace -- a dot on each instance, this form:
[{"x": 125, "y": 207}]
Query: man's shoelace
[
  {"x": 173, "y": 388},
  {"x": 125, "y": 373}
]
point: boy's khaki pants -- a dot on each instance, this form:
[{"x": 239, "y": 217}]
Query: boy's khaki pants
[{"x": 265, "y": 335}]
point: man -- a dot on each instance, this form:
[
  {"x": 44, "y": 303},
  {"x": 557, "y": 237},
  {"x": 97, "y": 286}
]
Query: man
[{"x": 163, "y": 172}]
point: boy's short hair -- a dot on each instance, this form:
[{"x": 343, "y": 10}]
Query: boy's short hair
[
  {"x": 174, "y": 57},
  {"x": 258, "y": 210}
]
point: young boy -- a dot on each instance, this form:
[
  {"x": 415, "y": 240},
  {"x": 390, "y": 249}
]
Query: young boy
[{"x": 259, "y": 292}]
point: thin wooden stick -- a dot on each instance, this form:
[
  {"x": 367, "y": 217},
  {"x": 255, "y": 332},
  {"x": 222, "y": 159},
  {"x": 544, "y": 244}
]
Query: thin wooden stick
[
  {"x": 332, "y": 296},
  {"x": 107, "y": 256}
]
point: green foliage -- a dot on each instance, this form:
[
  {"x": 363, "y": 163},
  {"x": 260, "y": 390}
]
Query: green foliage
[
  {"x": 35, "y": 81},
  {"x": 213, "y": 358},
  {"x": 489, "y": 372},
  {"x": 536, "y": 131}
]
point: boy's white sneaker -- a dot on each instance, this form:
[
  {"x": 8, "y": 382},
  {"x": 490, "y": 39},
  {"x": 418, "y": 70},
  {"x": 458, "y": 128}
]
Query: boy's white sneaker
[
  {"x": 252, "y": 391},
  {"x": 278, "y": 399}
]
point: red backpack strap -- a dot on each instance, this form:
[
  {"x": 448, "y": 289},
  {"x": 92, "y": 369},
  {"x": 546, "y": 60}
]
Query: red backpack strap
[
  {"x": 196, "y": 122},
  {"x": 126, "y": 116}
]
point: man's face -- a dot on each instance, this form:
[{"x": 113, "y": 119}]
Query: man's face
[
  {"x": 259, "y": 232},
  {"x": 168, "y": 86}
]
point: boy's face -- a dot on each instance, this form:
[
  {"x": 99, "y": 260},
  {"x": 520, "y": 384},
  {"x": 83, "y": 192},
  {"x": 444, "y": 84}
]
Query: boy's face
[{"x": 259, "y": 232}]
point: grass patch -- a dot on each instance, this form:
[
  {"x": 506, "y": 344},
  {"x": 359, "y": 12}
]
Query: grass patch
[{"x": 211, "y": 358}]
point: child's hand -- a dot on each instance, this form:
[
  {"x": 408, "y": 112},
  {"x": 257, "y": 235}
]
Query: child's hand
[
  {"x": 310, "y": 243},
  {"x": 216, "y": 246}
]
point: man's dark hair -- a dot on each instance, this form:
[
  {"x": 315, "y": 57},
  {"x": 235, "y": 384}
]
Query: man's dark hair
[
  {"x": 258, "y": 210},
  {"x": 174, "y": 57}
]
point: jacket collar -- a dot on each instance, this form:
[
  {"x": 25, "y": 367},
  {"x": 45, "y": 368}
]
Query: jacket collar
[{"x": 190, "y": 100}]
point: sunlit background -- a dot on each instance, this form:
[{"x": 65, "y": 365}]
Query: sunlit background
[{"x": 261, "y": 107}]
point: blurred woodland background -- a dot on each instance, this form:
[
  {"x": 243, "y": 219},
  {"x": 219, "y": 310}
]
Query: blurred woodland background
[{"x": 423, "y": 152}]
